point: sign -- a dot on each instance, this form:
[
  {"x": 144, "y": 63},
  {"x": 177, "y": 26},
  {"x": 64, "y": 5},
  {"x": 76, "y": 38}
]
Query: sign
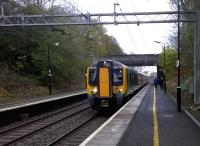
[
  {"x": 177, "y": 63},
  {"x": 49, "y": 74}
]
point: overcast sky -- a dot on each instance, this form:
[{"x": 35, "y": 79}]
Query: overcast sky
[{"x": 144, "y": 35}]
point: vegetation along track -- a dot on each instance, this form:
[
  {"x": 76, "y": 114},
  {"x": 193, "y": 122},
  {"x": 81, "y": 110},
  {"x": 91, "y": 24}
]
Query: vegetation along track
[{"x": 13, "y": 134}]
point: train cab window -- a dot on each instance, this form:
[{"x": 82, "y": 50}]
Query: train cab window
[
  {"x": 92, "y": 76},
  {"x": 117, "y": 76}
]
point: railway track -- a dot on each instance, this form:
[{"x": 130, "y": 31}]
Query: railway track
[
  {"x": 12, "y": 135},
  {"x": 67, "y": 126},
  {"x": 75, "y": 128},
  {"x": 78, "y": 135}
]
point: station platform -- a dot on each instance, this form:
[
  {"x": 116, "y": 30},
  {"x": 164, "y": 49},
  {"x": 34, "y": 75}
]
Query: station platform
[
  {"x": 37, "y": 100},
  {"x": 150, "y": 118}
]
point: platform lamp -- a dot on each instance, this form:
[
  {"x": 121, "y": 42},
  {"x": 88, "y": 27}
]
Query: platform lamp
[
  {"x": 178, "y": 63},
  {"x": 49, "y": 68},
  {"x": 164, "y": 83}
]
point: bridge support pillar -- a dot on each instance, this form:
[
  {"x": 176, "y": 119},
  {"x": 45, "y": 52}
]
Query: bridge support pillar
[{"x": 197, "y": 61}]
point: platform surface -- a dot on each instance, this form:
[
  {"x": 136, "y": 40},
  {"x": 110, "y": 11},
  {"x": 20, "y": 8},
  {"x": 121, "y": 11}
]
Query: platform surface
[
  {"x": 113, "y": 129},
  {"x": 149, "y": 119},
  {"x": 173, "y": 129},
  {"x": 37, "y": 100}
]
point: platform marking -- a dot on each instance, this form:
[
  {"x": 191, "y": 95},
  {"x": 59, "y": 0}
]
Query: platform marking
[
  {"x": 90, "y": 137},
  {"x": 155, "y": 122},
  {"x": 45, "y": 99}
]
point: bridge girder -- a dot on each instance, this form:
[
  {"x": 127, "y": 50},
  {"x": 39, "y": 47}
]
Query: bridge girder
[
  {"x": 96, "y": 19},
  {"x": 133, "y": 60}
]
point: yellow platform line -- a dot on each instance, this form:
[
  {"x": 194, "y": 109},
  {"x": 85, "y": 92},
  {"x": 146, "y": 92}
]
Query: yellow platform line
[{"x": 155, "y": 122}]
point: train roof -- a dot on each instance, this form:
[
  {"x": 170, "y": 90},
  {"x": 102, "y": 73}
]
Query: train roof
[{"x": 114, "y": 62}]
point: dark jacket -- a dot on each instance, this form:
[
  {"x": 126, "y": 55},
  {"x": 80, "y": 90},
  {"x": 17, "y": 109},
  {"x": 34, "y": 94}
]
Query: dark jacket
[{"x": 155, "y": 81}]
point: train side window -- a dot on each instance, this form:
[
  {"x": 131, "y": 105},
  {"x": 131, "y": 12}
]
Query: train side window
[
  {"x": 92, "y": 76},
  {"x": 117, "y": 76},
  {"x": 135, "y": 79},
  {"x": 131, "y": 78}
]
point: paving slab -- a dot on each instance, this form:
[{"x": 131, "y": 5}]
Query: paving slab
[
  {"x": 110, "y": 133},
  {"x": 174, "y": 129}
]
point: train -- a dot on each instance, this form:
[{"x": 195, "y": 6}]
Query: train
[{"x": 108, "y": 83}]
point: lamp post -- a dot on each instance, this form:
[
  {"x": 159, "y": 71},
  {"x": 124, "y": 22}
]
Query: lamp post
[
  {"x": 164, "y": 78},
  {"x": 49, "y": 69},
  {"x": 178, "y": 64}
]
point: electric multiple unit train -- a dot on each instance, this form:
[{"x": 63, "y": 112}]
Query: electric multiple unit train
[{"x": 109, "y": 83}]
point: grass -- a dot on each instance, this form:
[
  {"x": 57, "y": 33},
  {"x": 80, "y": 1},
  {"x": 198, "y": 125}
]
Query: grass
[{"x": 14, "y": 87}]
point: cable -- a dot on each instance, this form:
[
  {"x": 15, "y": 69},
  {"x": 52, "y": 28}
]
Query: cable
[
  {"x": 86, "y": 17},
  {"x": 141, "y": 35},
  {"x": 134, "y": 9},
  {"x": 133, "y": 41}
]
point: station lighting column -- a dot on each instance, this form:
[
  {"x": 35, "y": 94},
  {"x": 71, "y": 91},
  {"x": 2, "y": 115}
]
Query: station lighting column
[
  {"x": 49, "y": 69},
  {"x": 164, "y": 83},
  {"x": 49, "y": 72},
  {"x": 178, "y": 64}
]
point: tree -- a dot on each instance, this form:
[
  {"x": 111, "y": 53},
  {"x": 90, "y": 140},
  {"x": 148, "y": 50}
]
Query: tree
[
  {"x": 25, "y": 49},
  {"x": 187, "y": 35},
  {"x": 170, "y": 62}
]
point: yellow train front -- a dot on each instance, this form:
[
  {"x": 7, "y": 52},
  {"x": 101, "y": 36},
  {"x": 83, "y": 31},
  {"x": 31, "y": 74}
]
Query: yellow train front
[{"x": 109, "y": 83}]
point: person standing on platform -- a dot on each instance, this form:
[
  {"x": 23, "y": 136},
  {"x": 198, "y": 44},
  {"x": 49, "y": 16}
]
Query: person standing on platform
[
  {"x": 155, "y": 81},
  {"x": 161, "y": 82}
]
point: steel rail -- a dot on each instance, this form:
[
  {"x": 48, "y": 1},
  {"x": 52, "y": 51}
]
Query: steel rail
[
  {"x": 72, "y": 130},
  {"x": 43, "y": 127},
  {"x": 40, "y": 118}
]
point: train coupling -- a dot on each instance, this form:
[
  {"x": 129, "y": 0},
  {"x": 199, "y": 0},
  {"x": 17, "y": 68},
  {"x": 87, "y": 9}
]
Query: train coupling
[{"x": 104, "y": 103}]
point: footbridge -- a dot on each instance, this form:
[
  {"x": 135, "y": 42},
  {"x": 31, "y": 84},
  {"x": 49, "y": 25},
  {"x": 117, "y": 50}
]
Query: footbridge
[{"x": 133, "y": 59}]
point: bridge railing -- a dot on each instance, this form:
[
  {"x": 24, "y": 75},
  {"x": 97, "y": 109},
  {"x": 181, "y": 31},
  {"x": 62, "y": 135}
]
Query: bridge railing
[{"x": 133, "y": 60}]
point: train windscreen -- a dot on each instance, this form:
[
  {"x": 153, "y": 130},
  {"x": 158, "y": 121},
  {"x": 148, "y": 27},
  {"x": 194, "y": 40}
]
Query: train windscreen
[
  {"x": 117, "y": 76},
  {"x": 92, "y": 76}
]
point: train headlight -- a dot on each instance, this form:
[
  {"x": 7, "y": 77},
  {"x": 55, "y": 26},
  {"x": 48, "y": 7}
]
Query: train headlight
[
  {"x": 94, "y": 90},
  {"x": 117, "y": 90}
]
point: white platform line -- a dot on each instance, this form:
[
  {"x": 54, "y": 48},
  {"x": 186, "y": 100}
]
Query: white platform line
[
  {"x": 108, "y": 121},
  {"x": 39, "y": 102},
  {"x": 193, "y": 118},
  {"x": 187, "y": 113}
]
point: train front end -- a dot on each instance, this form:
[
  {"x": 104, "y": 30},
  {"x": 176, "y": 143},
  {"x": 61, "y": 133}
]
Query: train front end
[{"x": 105, "y": 86}]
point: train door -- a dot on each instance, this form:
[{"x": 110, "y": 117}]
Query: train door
[
  {"x": 104, "y": 79},
  {"x": 104, "y": 82}
]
